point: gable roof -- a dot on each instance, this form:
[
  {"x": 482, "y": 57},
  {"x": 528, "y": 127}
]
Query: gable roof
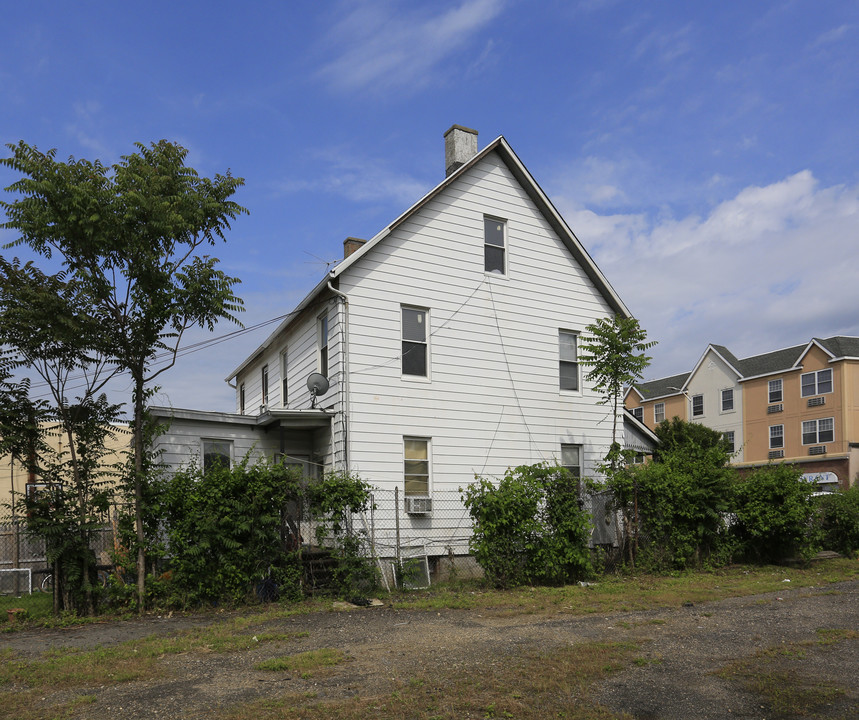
[
  {"x": 839, "y": 347},
  {"x": 532, "y": 189}
]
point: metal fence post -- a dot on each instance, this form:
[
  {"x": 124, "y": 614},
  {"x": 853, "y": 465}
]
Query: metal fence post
[{"x": 397, "y": 520}]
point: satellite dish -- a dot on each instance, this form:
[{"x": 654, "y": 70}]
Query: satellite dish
[{"x": 317, "y": 383}]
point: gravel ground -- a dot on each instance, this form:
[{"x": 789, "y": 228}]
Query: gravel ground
[{"x": 681, "y": 649}]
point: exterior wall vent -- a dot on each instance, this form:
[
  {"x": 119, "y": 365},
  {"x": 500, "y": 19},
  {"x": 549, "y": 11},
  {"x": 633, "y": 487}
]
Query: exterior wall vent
[
  {"x": 817, "y": 450},
  {"x": 774, "y": 409},
  {"x": 418, "y": 505},
  {"x": 773, "y": 454},
  {"x": 816, "y": 402}
]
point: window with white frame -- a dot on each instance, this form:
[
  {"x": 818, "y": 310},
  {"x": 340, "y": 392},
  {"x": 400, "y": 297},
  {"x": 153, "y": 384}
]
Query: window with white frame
[
  {"x": 818, "y": 431},
  {"x": 775, "y": 394},
  {"x": 322, "y": 343},
  {"x": 697, "y": 405},
  {"x": 416, "y": 466},
  {"x": 568, "y": 360},
  {"x": 729, "y": 438},
  {"x": 816, "y": 383},
  {"x": 284, "y": 385},
  {"x": 658, "y": 413},
  {"x": 494, "y": 247},
  {"x": 571, "y": 459},
  {"x": 264, "y": 383},
  {"x": 415, "y": 352},
  {"x": 776, "y": 436},
  {"x": 242, "y": 399},
  {"x": 727, "y": 400},
  {"x": 216, "y": 453},
  {"x": 638, "y": 413}
]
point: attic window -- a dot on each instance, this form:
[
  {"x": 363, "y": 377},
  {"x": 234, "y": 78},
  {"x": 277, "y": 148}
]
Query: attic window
[{"x": 494, "y": 246}]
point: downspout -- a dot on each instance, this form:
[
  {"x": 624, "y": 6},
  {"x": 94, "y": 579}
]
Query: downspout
[{"x": 346, "y": 436}]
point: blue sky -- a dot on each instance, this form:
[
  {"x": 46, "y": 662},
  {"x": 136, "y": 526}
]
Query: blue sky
[{"x": 704, "y": 153}]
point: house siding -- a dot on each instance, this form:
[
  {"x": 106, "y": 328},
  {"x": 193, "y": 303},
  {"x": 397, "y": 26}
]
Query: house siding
[
  {"x": 709, "y": 379},
  {"x": 492, "y": 399}
]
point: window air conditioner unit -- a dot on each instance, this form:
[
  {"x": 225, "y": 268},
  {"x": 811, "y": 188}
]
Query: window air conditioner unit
[
  {"x": 817, "y": 450},
  {"x": 418, "y": 505},
  {"x": 775, "y": 408},
  {"x": 816, "y": 402},
  {"x": 773, "y": 454}
]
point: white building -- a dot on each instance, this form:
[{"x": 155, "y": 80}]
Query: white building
[{"x": 449, "y": 340}]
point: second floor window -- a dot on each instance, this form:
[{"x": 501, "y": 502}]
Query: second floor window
[
  {"x": 415, "y": 344},
  {"x": 697, "y": 405},
  {"x": 729, "y": 438},
  {"x": 571, "y": 459},
  {"x": 264, "y": 380},
  {"x": 816, "y": 383},
  {"x": 569, "y": 365},
  {"x": 776, "y": 436},
  {"x": 818, "y": 431},
  {"x": 658, "y": 413},
  {"x": 322, "y": 335},
  {"x": 638, "y": 413},
  {"x": 242, "y": 398},
  {"x": 284, "y": 387},
  {"x": 727, "y": 400}
]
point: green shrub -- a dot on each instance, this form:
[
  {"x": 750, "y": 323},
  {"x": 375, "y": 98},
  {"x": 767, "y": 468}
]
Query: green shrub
[
  {"x": 674, "y": 507},
  {"x": 839, "y": 520},
  {"x": 774, "y": 514},
  {"x": 530, "y": 528}
]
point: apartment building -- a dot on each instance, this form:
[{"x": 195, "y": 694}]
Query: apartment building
[{"x": 798, "y": 405}]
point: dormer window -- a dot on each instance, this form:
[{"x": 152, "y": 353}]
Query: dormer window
[
  {"x": 494, "y": 247},
  {"x": 816, "y": 383}
]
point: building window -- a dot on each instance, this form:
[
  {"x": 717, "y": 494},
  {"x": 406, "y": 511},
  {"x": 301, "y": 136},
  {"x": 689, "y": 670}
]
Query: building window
[
  {"x": 727, "y": 400},
  {"x": 242, "y": 399},
  {"x": 816, "y": 383},
  {"x": 322, "y": 340},
  {"x": 569, "y": 365},
  {"x": 658, "y": 413},
  {"x": 818, "y": 431},
  {"x": 697, "y": 405},
  {"x": 284, "y": 386},
  {"x": 216, "y": 453},
  {"x": 729, "y": 438},
  {"x": 638, "y": 413},
  {"x": 775, "y": 391},
  {"x": 415, "y": 345},
  {"x": 571, "y": 459},
  {"x": 776, "y": 436},
  {"x": 416, "y": 466},
  {"x": 264, "y": 382},
  {"x": 493, "y": 245}
]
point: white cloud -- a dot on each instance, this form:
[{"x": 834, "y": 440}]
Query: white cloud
[
  {"x": 358, "y": 179},
  {"x": 388, "y": 46},
  {"x": 769, "y": 268}
]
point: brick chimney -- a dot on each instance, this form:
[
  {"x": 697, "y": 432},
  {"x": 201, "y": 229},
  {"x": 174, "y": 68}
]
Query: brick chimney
[
  {"x": 460, "y": 145},
  {"x": 350, "y": 245}
]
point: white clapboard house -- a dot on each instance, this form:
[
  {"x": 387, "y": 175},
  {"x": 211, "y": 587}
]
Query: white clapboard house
[{"x": 449, "y": 346}]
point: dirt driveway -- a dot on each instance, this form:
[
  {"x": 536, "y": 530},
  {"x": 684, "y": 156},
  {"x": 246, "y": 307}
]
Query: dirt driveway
[{"x": 680, "y": 650}]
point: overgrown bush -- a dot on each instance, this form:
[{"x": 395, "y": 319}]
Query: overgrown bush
[
  {"x": 674, "y": 507},
  {"x": 225, "y": 529},
  {"x": 530, "y": 527},
  {"x": 774, "y": 514},
  {"x": 839, "y": 521}
]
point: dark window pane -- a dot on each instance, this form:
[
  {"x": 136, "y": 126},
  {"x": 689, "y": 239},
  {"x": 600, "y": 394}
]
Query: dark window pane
[
  {"x": 414, "y": 325},
  {"x": 414, "y": 359},
  {"x": 808, "y": 385},
  {"x": 493, "y": 259},
  {"x": 493, "y": 232},
  {"x": 569, "y": 375},
  {"x": 824, "y": 382}
]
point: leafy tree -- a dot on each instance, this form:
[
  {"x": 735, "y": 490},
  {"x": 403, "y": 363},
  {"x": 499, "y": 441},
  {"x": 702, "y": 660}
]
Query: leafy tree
[
  {"x": 614, "y": 348},
  {"x": 129, "y": 237},
  {"x": 774, "y": 510},
  {"x": 678, "y": 502},
  {"x": 839, "y": 520},
  {"x": 529, "y": 527},
  {"x": 45, "y": 322}
]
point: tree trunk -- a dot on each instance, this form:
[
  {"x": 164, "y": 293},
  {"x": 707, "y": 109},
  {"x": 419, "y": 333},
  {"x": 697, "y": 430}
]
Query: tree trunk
[{"x": 138, "y": 492}]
